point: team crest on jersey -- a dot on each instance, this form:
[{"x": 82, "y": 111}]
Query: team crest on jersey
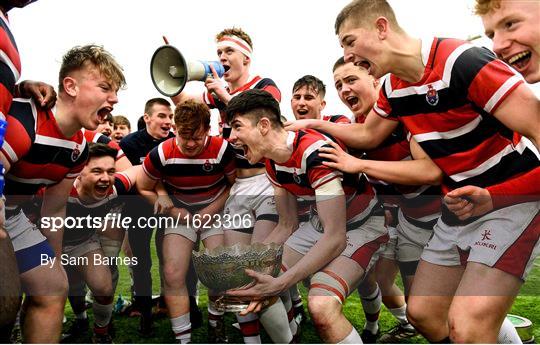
[
  {"x": 432, "y": 96},
  {"x": 296, "y": 178},
  {"x": 75, "y": 153},
  {"x": 207, "y": 166}
]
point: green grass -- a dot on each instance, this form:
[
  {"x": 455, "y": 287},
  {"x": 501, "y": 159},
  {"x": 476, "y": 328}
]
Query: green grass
[{"x": 526, "y": 305}]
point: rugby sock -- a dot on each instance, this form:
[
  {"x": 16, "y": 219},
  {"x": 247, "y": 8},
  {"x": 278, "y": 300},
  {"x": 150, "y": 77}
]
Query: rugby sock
[
  {"x": 400, "y": 314},
  {"x": 250, "y": 328},
  {"x": 102, "y": 313},
  {"x": 287, "y": 303},
  {"x": 296, "y": 299},
  {"x": 213, "y": 315},
  {"x": 372, "y": 308},
  {"x": 274, "y": 319},
  {"x": 181, "y": 327},
  {"x": 508, "y": 334},
  {"x": 352, "y": 338}
]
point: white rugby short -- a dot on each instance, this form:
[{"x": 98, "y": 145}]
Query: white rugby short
[
  {"x": 250, "y": 199},
  {"x": 364, "y": 244},
  {"x": 507, "y": 239}
]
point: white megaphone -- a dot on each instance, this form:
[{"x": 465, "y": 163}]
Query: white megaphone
[{"x": 170, "y": 72}]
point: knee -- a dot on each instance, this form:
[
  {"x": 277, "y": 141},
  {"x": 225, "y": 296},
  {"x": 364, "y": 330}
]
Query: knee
[
  {"x": 49, "y": 304},
  {"x": 471, "y": 327},
  {"x": 323, "y": 310},
  {"x": 172, "y": 276},
  {"x": 418, "y": 313},
  {"x": 58, "y": 283},
  {"x": 463, "y": 331},
  {"x": 104, "y": 289}
]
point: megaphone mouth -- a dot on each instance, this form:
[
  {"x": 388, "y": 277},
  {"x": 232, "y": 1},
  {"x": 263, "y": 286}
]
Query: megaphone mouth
[{"x": 168, "y": 70}]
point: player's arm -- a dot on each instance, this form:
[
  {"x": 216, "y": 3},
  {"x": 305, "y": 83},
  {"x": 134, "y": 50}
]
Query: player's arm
[
  {"x": 364, "y": 136},
  {"x": 419, "y": 171},
  {"x": 123, "y": 163},
  {"x": 185, "y": 96},
  {"x": 146, "y": 186},
  {"x": 520, "y": 111},
  {"x": 152, "y": 189},
  {"x": 331, "y": 209},
  {"x": 286, "y": 206},
  {"x": 54, "y": 205},
  {"x": 42, "y": 93}
]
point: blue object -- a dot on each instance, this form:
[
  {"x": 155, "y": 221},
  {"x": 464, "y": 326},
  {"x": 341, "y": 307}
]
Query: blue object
[
  {"x": 3, "y": 126},
  {"x": 217, "y": 66}
]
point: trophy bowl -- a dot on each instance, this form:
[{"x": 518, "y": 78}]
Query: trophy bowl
[{"x": 223, "y": 268}]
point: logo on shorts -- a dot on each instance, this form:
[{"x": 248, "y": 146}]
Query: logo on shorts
[
  {"x": 432, "y": 97},
  {"x": 296, "y": 178},
  {"x": 207, "y": 167},
  {"x": 486, "y": 235},
  {"x": 75, "y": 153}
]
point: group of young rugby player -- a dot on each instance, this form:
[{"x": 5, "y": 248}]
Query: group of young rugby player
[{"x": 435, "y": 177}]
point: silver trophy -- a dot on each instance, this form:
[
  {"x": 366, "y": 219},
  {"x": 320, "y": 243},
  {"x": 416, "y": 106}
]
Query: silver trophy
[{"x": 223, "y": 268}]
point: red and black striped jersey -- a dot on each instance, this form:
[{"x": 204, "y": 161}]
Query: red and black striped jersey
[
  {"x": 417, "y": 202},
  {"x": 192, "y": 182},
  {"x": 256, "y": 82},
  {"x": 10, "y": 65},
  {"x": 304, "y": 172},
  {"x": 95, "y": 137},
  {"x": 304, "y": 206},
  {"x": 37, "y": 151},
  {"x": 449, "y": 113}
]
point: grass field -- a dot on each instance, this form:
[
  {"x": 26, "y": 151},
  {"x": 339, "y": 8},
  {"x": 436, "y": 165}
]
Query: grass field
[{"x": 527, "y": 305}]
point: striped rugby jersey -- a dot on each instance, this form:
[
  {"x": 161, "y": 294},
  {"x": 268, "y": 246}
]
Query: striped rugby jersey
[
  {"x": 37, "y": 151},
  {"x": 305, "y": 205},
  {"x": 304, "y": 172},
  {"x": 95, "y": 137},
  {"x": 449, "y": 113},
  {"x": 192, "y": 182},
  {"x": 10, "y": 65},
  {"x": 422, "y": 203}
]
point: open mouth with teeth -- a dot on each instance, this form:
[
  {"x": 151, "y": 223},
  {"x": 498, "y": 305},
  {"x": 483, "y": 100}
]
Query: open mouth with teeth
[
  {"x": 246, "y": 150},
  {"x": 352, "y": 101},
  {"x": 302, "y": 112},
  {"x": 519, "y": 60},
  {"x": 103, "y": 112},
  {"x": 226, "y": 68},
  {"x": 101, "y": 189},
  {"x": 364, "y": 64}
]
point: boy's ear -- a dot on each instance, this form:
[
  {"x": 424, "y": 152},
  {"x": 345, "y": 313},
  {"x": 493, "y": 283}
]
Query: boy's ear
[
  {"x": 70, "y": 86},
  {"x": 382, "y": 25}
]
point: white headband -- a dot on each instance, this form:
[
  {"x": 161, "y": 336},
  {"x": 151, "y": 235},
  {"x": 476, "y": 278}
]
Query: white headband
[{"x": 236, "y": 43}]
